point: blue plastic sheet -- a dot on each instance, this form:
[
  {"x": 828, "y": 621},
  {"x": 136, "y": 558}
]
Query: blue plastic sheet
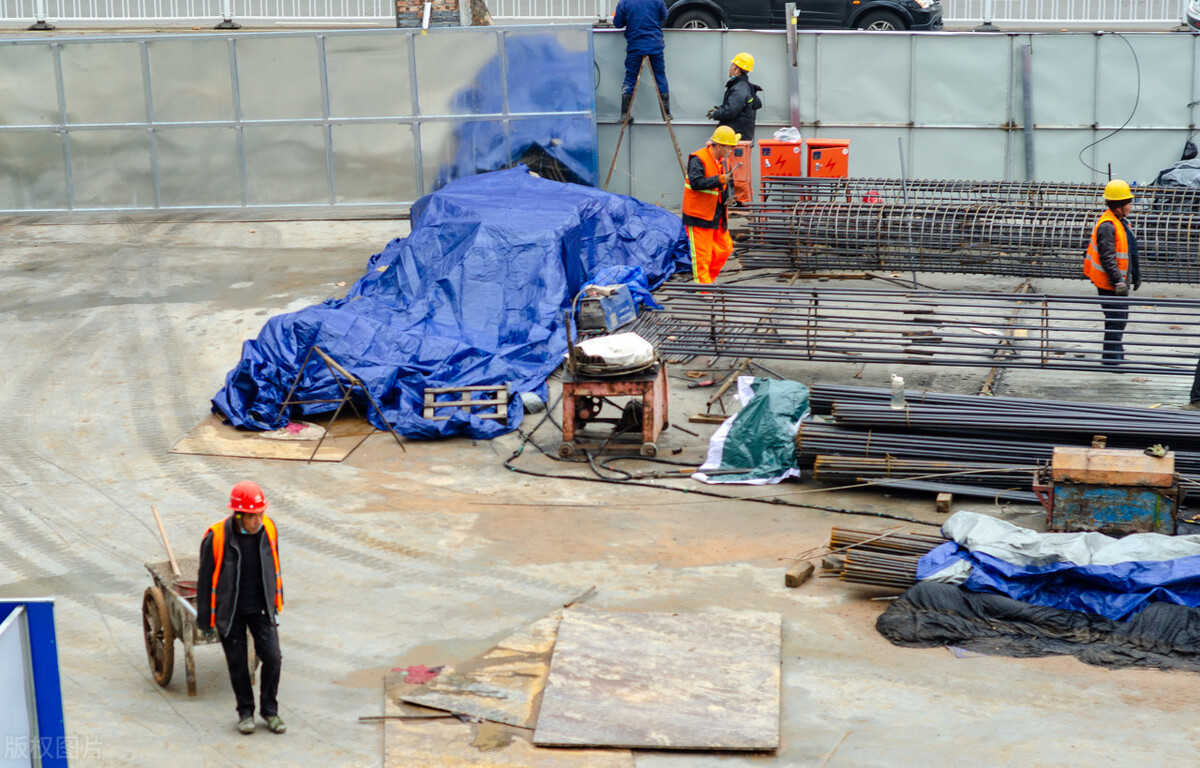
[
  {"x": 473, "y": 296},
  {"x": 1113, "y": 591}
]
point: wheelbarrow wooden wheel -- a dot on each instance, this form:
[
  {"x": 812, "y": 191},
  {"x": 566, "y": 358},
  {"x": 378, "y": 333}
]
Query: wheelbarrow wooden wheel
[{"x": 159, "y": 635}]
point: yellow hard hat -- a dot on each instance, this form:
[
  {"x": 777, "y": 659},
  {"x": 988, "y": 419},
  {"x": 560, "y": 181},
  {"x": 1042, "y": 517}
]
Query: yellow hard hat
[
  {"x": 744, "y": 61},
  {"x": 1116, "y": 190},
  {"x": 725, "y": 135}
]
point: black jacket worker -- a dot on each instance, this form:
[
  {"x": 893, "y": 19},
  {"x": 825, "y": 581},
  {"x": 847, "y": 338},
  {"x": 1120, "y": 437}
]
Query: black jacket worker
[
  {"x": 238, "y": 588},
  {"x": 739, "y": 111}
]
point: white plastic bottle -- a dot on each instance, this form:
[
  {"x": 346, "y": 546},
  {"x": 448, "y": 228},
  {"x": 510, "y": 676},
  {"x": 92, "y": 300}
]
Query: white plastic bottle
[{"x": 898, "y": 393}]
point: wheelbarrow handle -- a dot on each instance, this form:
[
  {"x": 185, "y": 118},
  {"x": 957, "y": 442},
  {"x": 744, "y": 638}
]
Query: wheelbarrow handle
[{"x": 166, "y": 543}]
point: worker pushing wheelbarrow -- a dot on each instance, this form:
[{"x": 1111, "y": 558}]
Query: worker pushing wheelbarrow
[
  {"x": 169, "y": 613},
  {"x": 240, "y": 593}
]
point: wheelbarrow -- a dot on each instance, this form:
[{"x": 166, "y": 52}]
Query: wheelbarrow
[{"x": 169, "y": 614}]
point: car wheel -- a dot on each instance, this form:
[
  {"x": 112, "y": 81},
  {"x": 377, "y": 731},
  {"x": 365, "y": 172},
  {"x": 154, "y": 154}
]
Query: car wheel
[
  {"x": 881, "y": 21},
  {"x": 696, "y": 19}
]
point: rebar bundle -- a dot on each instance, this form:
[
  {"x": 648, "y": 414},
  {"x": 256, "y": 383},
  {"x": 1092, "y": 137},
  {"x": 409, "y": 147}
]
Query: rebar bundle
[
  {"x": 878, "y": 468},
  {"x": 944, "y": 413},
  {"x": 1023, "y": 230},
  {"x": 966, "y": 433},
  {"x": 922, "y": 327},
  {"x": 889, "y": 543},
  {"x": 882, "y": 560}
]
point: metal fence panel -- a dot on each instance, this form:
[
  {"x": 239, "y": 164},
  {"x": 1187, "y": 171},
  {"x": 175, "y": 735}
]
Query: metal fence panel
[
  {"x": 954, "y": 99},
  {"x": 312, "y": 121},
  {"x": 1161, "y": 14}
]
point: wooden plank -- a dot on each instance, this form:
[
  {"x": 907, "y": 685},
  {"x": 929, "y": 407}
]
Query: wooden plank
[
  {"x": 446, "y": 390},
  {"x": 451, "y": 744},
  {"x": 664, "y": 681},
  {"x": 1112, "y": 466},
  {"x": 502, "y": 685},
  {"x": 213, "y": 438},
  {"x": 797, "y": 574}
]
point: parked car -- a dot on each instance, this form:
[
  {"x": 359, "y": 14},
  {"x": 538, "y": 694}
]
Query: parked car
[
  {"x": 881, "y": 15},
  {"x": 1193, "y": 15}
]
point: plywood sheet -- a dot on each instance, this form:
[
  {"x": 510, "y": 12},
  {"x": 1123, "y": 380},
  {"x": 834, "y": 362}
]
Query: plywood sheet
[
  {"x": 664, "y": 681},
  {"x": 451, "y": 744},
  {"x": 503, "y": 685},
  {"x": 213, "y": 438}
]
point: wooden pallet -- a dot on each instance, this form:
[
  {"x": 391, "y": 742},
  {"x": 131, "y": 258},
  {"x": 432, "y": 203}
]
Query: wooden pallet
[{"x": 489, "y": 397}]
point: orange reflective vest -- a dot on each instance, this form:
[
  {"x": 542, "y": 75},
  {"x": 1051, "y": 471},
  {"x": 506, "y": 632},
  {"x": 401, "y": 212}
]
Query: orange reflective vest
[
  {"x": 218, "y": 545},
  {"x": 702, "y": 203},
  {"x": 1092, "y": 266}
]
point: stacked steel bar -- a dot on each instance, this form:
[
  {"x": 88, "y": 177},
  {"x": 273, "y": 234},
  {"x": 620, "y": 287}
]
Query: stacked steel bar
[
  {"x": 859, "y": 468},
  {"x": 921, "y": 327},
  {"x": 891, "y": 543},
  {"x": 888, "y": 560},
  {"x": 1026, "y": 231},
  {"x": 990, "y": 431}
]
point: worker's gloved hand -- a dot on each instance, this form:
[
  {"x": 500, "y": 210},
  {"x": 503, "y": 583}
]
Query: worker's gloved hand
[
  {"x": 1121, "y": 288},
  {"x": 724, "y": 179},
  {"x": 710, "y": 113},
  {"x": 210, "y": 634}
]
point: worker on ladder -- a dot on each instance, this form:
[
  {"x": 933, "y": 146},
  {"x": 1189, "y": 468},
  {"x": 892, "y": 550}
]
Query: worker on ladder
[
  {"x": 706, "y": 193},
  {"x": 739, "y": 110},
  {"x": 642, "y": 21},
  {"x": 1112, "y": 266}
]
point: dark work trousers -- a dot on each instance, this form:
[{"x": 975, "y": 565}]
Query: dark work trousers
[
  {"x": 633, "y": 63},
  {"x": 1195, "y": 396},
  {"x": 1116, "y": 314},
  {"x": 266, "y": 646}
]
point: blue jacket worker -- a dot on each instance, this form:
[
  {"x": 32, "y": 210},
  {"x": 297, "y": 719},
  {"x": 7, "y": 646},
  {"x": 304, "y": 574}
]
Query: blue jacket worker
[{"x": 642, "y": 21}]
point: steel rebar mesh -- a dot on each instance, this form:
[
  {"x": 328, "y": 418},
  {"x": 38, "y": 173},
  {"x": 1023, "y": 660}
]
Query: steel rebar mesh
[
  {"x": 783, "y": 191},
  {"x": 1026, "y": 230},
  {"x": 948, "y": 328}
]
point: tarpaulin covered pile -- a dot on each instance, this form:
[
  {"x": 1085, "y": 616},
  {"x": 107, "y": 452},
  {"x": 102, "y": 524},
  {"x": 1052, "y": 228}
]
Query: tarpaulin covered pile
[
  {"x": 998, "y": 588},
  {"x": 473, "y": 296}
]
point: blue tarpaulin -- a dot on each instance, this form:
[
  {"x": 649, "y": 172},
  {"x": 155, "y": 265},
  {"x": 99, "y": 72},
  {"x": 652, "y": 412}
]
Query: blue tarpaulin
[
  {"x": 473, "y": 296},
  {"x": 1088, "y": 572}
]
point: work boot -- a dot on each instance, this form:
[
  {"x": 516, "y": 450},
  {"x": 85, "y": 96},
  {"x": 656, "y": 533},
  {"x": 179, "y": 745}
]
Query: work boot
[
  {"x": 626, "y": 102},
  {"x": 666, "y": 97},
  {"x": 246, "y": 725},
  {"x": 275, "y": 724}
]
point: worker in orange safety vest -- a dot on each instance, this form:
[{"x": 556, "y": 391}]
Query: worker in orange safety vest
[
  {"x": 239, "y": 588},
  {"x": 1112, "y": 266},
  {"x": 706, "y": 195}
]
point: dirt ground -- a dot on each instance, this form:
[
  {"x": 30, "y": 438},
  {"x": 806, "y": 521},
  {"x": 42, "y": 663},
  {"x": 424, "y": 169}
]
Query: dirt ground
[{"x": 116, "y": 337}]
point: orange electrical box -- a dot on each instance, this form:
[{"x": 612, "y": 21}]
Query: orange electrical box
[
  {"x": 780, "y": 158},
  {"x": 829, "y": 158}
]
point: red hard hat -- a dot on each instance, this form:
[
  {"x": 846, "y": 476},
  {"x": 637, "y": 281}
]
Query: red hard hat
[{"x": 246, "y": 496}]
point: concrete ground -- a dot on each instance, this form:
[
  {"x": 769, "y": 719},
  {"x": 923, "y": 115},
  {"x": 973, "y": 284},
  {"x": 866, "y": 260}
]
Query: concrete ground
[{"x": 117, "y": 335}]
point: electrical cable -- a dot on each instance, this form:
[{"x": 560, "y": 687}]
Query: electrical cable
[
  {"x": 527, "y": 439},
  {"x": 1137, "y": 97}
]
